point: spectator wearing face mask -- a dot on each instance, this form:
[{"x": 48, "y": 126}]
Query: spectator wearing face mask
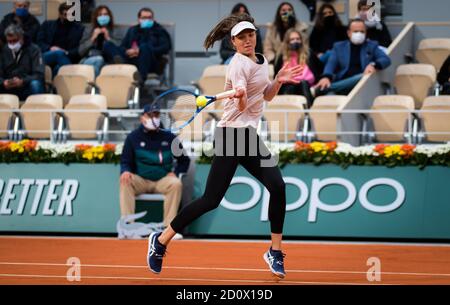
[
  {"x": 328, "y": 29},
  {"x": 145, "y": 44},
  {"x": 147, "y": 165},
  {"x": 59, "y": 40},
  {"x": 21, "y": 68},
  {"x": 98, "y": 37},
  {"x": 295, "y": 51},
  {"x": 350, "y": 60},
  {"x": 22, "y": 17},
  {"x": 285, "y": 19},
  {"x": 376, "y": 29}
]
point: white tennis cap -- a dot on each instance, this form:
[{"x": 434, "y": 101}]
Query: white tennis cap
[{"x": 243, "y": 25}]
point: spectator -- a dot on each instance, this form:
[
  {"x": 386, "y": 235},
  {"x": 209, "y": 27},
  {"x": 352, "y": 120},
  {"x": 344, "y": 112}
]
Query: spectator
[
  {"x": 22, "y": 17},
  {"x": 98, "y": 36},
  {"x": 311, "y": 6},
  {"x": 444, "y": 77},
  {"x": 21, "y": 67},
  {"x": 87, "y": 8},
  {"x": 145, "y": 44},
  {"x": 59, "y": 40},
  {"x": 147, "y": 165},
  {"x": 295, "y": 51},
  {"x": 327, "y": 30},
  {"x": 226, "y": 47},
  {"x": 350, "y": 60},
  {"x": 284, "y": 20},
  {"x": 376, "y": 29}
]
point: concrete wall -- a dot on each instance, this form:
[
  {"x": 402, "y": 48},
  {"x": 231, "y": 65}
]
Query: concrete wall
[{"x": 430, "y": 10}]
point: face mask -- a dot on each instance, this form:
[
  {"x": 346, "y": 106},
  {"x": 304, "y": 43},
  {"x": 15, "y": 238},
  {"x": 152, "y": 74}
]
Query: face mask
[
  {"x": 358, "y": 38},
  {"x": 295, "y": 46},
  {"x": 15, "y": 46},
  {"x": 147, "y": 23},
  {"x": 22, "y": 12},
  {"x": 103, "y": 20},
  {"x": 329, "y": 20},
  {"x": 287, "y": 16},
  {"x": 152, "y": 123}
]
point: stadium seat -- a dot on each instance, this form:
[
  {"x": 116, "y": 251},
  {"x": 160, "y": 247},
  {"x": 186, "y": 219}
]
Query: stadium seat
[
  {"x": 325, "y": 124},
  {"x": 415, "y": 80},
  {"x": 436, "y": 122},
  {"x": 81, "y": 121},
  {"x": 8, "y": 102},
  {"x": 392, "y": 122},
  {"x": 48, "y": 79},
  {"x": 271, "y": 72},
  {"x": 74, "y": 80},
  {"x": 117, "y": 83},
  {"x": 212, "y": 80},
  {"x": 52, "y": 8},
  {"x": 194, "y": 131},
  {"x": 281, "y": 110},
  {"x": 41, "y": 124},
  {"x": 433, "y": 51}
]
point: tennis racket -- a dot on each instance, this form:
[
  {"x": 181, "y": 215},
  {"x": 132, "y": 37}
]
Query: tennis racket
[{"x": 185, "y": 105}]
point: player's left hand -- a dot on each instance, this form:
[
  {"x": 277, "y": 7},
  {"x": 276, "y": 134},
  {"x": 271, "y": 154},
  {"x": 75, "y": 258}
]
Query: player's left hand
[{"x": 287, "y": 75}]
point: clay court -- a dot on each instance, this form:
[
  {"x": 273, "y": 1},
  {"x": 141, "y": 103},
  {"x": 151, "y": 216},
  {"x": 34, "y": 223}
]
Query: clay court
[{"x": 43, "y": 260}]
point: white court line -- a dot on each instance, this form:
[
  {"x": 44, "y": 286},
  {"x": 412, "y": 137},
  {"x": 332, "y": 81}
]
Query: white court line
[
  {"x": 184, "y": 279},
  {"x": 227, "y": 269},
  {"x": 370, "y": 243}
]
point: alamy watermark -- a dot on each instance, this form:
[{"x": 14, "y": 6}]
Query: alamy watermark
[
  {"x": 374, "y": 11},
  {"x": 74, "y": 272},
  {"x": 374, "y": 272},
  {"x": 74, "y": 12}
]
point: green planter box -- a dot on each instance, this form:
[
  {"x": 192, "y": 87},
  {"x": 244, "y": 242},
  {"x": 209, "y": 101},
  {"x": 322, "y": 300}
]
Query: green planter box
[{"x": 328, "y": 201}]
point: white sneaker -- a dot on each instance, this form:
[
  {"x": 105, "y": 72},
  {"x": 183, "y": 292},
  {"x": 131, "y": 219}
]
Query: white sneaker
[{"x": 177, "y": 236}]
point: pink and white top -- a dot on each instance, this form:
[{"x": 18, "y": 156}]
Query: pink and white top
[{"x": 244, "y": 72}]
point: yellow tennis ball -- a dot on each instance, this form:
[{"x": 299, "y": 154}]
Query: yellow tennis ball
[{"x": 201, "y": 101}]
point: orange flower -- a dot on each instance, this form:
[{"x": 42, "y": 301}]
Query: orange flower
[
  {"x": 29, "y": 145},
  {"x": 408, "y": 149},
  {"x": 5, "y": 145},
  {"x": 109, "y": 147},
  {"x": 82, "y": 147},
  {"x": 380, "y": 148},
  {"x": 299, "y": 145},
  {"x": 331, "y": 145}
]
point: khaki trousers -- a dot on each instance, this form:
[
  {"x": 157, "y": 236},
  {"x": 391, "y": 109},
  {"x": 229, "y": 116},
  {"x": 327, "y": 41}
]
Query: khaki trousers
[{"x": 169, "y": 186}]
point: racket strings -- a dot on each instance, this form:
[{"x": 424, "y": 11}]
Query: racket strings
[{"x": 181, "y": 107}]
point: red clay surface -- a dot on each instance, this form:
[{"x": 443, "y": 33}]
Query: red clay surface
[{"x": 35, "y": 260}]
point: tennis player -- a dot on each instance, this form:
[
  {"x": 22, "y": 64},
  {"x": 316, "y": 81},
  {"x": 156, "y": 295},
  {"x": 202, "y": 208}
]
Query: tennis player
[{"x": 236, "y": 141}]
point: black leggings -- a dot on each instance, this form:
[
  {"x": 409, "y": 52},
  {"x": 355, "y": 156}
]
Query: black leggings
[{"x": 224, "y": 166}]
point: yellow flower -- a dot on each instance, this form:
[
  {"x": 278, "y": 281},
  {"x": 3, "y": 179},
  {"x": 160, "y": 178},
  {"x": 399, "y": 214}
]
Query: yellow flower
[
  {"x": 88, "y": 155},
  {"x": 317, "y": 146},
  {"x": 393, "y": 150},
  {"x": 13, "y": 147}
]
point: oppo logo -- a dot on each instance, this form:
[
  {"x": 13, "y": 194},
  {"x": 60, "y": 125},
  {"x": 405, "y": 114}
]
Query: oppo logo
[{"x": 315, "y": 203}]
